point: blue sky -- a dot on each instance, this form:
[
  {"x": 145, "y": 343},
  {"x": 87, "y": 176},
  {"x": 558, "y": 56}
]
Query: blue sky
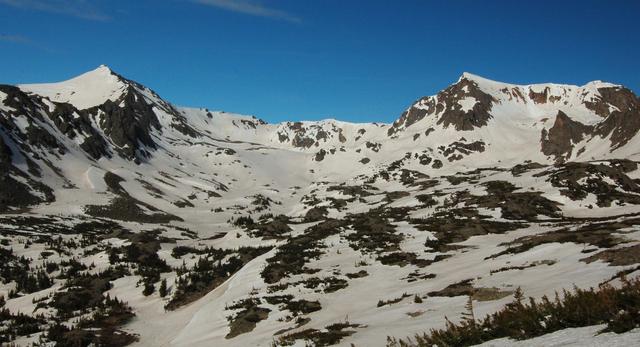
[{"x": 355, "y": 60}]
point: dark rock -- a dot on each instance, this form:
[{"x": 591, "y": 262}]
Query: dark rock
[
  {"x": 624, "y": 123},
  {"x": 320, "y": 155},
  {"x": 559, "y": 140},
  {"x": 539, "y": 98},
  {"x": 453, "y": 115},
  {"x": 447, "y": 103},
  {"x": 129, "y": 126},
  {"x": 621, "y": 98}
]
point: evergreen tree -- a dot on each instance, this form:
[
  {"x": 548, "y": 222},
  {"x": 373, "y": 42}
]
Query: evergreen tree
[
  {"x": 163, "y": 288},
  {"x": 149, "y": 288},
  {"x": 469, "y": 316}
]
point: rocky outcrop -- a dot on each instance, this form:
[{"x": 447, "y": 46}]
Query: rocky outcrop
[
  {"x": 71, "y": 122},
  {"x": 5, "y": 154},
  {"x": 539, "y": 97},
  {"x": 128, "y": 122},
  {"x": 559, "y": 140},
  {"x": 302, "y": 142},
  {"x": 462, "y": 148},
  {"x": 67, "y": 119},
  {"x": 420, "y": 109},
  {"x": 13, "y": 193},
  {"x": 20, "y": 103},
  {"x": 454, "y": 115},
  {"x": 32, "y": 108},
  {"x": 623, "y": 121},
  {"x": 320, "y": 155},
  {"x": 610, "y": 99},
  {"x": 305, "y": 135},
  {"x": 448, "y": 105}
]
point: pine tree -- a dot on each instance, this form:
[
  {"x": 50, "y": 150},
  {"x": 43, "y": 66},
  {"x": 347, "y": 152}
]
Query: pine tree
[
  {"x": 518, "y": 296},
  {"x": 163, "y": 288},
  {"x": 469, "y": 315},
  {"x": 149, "y": 288}
]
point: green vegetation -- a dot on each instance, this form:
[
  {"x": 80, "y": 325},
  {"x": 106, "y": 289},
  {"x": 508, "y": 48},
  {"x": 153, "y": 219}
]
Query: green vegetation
[
  {"x": 618, "y": 308},
  {"x": 209, "y": 272},
  {"x": 330, "y": 335}
]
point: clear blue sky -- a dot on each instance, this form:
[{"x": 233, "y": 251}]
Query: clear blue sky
[{"x": 356, "y": 60}]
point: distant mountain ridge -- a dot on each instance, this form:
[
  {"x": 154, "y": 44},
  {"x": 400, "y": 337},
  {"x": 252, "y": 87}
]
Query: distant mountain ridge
[{"x": 474, "y": 122}]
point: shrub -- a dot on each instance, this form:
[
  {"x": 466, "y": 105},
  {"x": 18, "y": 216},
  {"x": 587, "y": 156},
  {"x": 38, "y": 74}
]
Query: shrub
[{"x": 618, "y": 308}]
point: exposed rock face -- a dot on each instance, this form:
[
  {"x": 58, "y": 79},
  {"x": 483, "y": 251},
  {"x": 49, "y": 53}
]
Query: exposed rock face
[
  {"x": 32, "y": 108},
  {"x": 5, "y": 154},
  {"x": 129, "y": 125},
  {"x": 42, "y": 131},
  {"x": 341, "y": 137},
  {"x": 320, "y": 155},
  {"x": 126, "y": 122},
  {"x": 305, "y": 135},
  {"x": 420, "y": 109},
  {"x": 559, "y": 140},
  {"x": 72, "y": 122},
  {"x": 539, "y": 97},
  {"x": 623, "y": 122},
  {"x": 458, "y": 149},
  {"x": 178, "y": 121},
  {"x": 514, "y": 93},
  {"x": 454, "y": 114},
  {"x": 19, "y": 101},
  {"x": 616, "y": 97},
  {"x": 448, "y": 104},
  {"x": 12, "y": 192},
  {"x": 374, "y": 146},
  {"x": 621, "y": 110},
  {"x": 301, "y": 141}
]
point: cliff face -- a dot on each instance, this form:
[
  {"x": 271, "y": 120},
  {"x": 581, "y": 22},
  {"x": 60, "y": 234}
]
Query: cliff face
[{"x": 560, "y": 139}]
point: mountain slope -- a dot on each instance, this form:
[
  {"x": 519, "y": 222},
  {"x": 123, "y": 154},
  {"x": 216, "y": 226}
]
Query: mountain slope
[{"x": 272, "y": 232}]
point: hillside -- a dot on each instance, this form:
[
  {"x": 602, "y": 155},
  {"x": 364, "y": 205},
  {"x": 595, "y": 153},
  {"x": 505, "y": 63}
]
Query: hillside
[{"x": 212, "y": 228}]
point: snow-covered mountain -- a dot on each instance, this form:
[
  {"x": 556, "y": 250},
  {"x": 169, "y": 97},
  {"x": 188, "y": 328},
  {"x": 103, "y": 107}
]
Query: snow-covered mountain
[{"x": 276, "y": 232}]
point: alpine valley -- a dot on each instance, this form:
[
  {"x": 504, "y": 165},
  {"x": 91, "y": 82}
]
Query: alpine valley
[{"x": 127, "y": 220}]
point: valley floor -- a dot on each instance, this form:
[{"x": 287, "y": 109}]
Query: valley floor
[{"x": 392, "y": 254}]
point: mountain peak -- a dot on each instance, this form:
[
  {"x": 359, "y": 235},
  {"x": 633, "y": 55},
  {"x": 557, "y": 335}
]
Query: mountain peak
[
  {"x": 102, "y": 72},
  {"x": 601, "y": 84},
  {"x": 469, "y": 76},
  {"x": 84, "y": 91},
  {"x": 103, "y": 69},
  {"x": 480, "y": 81}
]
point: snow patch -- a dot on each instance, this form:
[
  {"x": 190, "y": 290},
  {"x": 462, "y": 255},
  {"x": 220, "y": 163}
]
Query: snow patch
[{"x": 467, "y": 103}]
